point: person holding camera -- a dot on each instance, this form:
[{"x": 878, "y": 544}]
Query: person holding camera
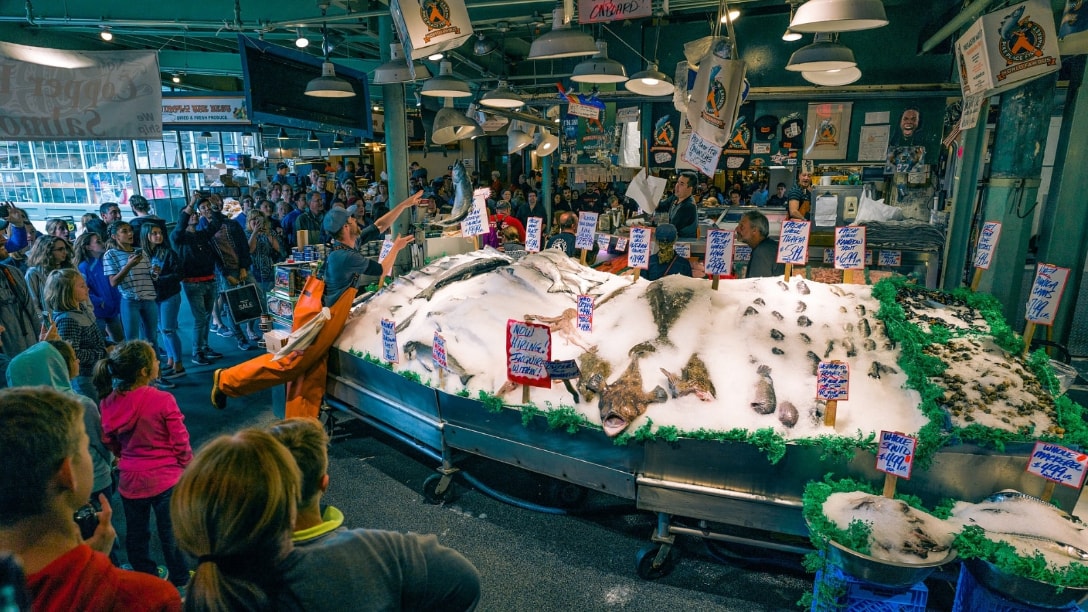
[
  {"x": 21, "y": 233},
  {"x": 264, "y": 251},
  {"x": 197, "y": 257}
]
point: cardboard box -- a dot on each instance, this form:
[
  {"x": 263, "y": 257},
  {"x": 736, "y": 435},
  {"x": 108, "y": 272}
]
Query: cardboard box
[
  {"x": 275, "y": 340},
  {"x": 430, "y": 26},
  {"x": 1007, "y": 48}
]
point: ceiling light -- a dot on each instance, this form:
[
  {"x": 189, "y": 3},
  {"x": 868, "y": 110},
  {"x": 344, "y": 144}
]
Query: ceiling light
[
  {"x": 338, "y": 141},
  {"x": 839, "y": 16},
  {"x": 483, "y": 45},
  {"x": 311, "y": 137},
  {"x": 301, "y": 41},
  {"x": 205, "y": 135},
  {"x": 517, "y": 140},
  {"x": 833, "y": 78},
  {"x": 546, "y": 143},
  {"x": 733, "y": 15},
  {"x": 450, "y": 125},
  {"x": 561, "y": 41},
  {"x": 106, "y": 34},
  {"x": 396, "y": 69},
  {"x": 650, "y": 82},
  {"x": 445, "y": 85},
  {"x": 823, "y": 54},
  {"x": 502, "y": 97},
  {"x": 599, "y": 68},
  {"x": 434, "y": 57},
  {"x": 282, "y": 134},
  {"x": 176, "y": 78},
  {"x": 791, "y": 36},
  {"x": 328, "y": 85}
]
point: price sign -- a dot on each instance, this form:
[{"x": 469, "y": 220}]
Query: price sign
[
  {"x": 639, "y": 257},
  {"x": 682, "y": 249},
  {"x": 628, "y": 114},
  {"x": 565, "y": 369},
  {"x": 389, "y": 341},
  {"x": 829, "y": 256},
  {"x": 587, "y": 230},
  {"x": 438, "y": 352},
  {"x": 534, "y": 227},
  {"x": 850, "y": 247},
  {"x": 833, "y": 381},
  {"x": 621, "y": 244},
  {"x": 1058, "y": 463},
  {"x": 476, "y": 221},
  {"x": 585, "y": 313},
  {"x": 702, "y": 154},
  {"x": 719, "y": 252},
  {"x": 1046, "y": 294},
  {"x": 987, "y": 244},
  {"x": 387, "y": 245},
  {"x": 583, "y": 110},
  {"x": 890, "y": 258},
  {"x": 793, "y": 242},
  {"x": 602, "y": 241},
  {"x": 895, "y": 455},
  {"x": 528, "y": 347},
  {"x": 742, "y": 252}
]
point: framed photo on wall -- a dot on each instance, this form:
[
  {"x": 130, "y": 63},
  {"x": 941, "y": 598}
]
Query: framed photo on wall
[{"x": 829, "y": 130}]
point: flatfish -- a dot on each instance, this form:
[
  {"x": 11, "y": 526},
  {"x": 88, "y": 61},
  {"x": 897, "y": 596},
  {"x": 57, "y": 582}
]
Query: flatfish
[
  {"x": 667, "y": 304},
  {"x": 624, "y": 400},
  {"x": 694, "y": 378}
]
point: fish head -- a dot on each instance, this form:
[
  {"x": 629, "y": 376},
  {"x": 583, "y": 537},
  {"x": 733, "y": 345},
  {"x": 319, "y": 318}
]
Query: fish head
[
  {"x": 458, "y": 172},
  {"x": 618, "y": 409}
]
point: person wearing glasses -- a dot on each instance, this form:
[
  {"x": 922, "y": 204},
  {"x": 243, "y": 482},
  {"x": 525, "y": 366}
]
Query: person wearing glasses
[{"x": 48, "y": 253}]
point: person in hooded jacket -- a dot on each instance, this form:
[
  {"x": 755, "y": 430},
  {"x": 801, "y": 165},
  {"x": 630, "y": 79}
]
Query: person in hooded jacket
[{"x": 66, "y": 297}]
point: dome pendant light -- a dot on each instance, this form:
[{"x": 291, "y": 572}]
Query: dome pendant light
[
  {"x": 650, "y": 82},
  {"x": 445, "y": 85},
  {"x": 599, "y": 68},
  {"x": 328, "y": 85},
  {"x": 562, "y": 40},
  {"x": 451, "y": 125},
  {"x": 823, "y": 54},
  {"x": 502, "y": 97},
  {"x": 396, "y": 69},
  {"x": 838, "y": 16},
  {"x": 833, "y": 78}
]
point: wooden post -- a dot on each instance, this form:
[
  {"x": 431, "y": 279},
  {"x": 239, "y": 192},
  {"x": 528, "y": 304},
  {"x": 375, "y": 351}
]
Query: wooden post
[
  {"x": 525, "y": 394},
  {"x": 976, "y": 279},
  {"x": 889, "y": 485},
  {"x": 829, "y": 412},
  {"x": 442, "y": 378},
  {"x": 1048, "y": 491},
  {"x": 1029, "y": 331},
  {"x": 714, "y": 281},
  {"x": 476, "y": 243},
  {"x": 582, "y": 259},
  {"x": 638, "y": 272},
  {"x": 789, "y": 271}
]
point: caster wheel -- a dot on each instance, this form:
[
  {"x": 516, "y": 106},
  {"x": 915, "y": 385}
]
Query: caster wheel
[
  {"x": 432, "y": 495},
  {"x": 644, "y": 562},
  {"x": 566, "y": 495}
]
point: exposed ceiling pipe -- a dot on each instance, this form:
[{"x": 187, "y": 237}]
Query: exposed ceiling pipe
[{"x": 973, "y": 10}]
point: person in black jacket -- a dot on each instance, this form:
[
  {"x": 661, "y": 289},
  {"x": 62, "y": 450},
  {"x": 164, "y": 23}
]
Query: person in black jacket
[
  {"x": 197, "y": 258},
  {"x": 232, "y": 270},
  {"x": 166, "y": 275}
]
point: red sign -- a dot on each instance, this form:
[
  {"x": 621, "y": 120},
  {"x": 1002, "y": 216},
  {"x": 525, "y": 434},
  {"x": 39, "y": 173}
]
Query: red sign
[{"x": 602, "y": 11}]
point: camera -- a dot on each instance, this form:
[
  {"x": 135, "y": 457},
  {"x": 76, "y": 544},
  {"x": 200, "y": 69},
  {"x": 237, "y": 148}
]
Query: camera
[
  {"x": 87, "y": 519},
  {"x": 5, "y": 210}
]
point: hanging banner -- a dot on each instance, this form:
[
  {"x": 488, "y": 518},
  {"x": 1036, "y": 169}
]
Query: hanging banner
[
  {"x": 205, "y": 109},
  {"x": 716, "y": 96},
  {"x": 604, "y": 11},
  {"x": 663, "y": 137},
  {"x": 683, "y": 144},
  {"x": 737, "y": 153},
  {"x": 50, "y": 94},
  {"x": 1073, "y": 29}
]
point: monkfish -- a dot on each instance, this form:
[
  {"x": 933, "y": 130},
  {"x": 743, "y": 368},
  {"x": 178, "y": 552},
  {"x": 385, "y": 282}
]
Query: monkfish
[
  {"x": 694, "y": 378},
  {"x": 623, "y": 401}
]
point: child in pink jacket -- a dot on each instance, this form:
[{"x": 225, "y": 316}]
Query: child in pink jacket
[{"x": 144, "y": 427}]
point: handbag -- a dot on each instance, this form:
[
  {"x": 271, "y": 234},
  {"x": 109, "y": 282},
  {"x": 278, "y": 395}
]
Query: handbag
[{"x": 244, "y": 302}]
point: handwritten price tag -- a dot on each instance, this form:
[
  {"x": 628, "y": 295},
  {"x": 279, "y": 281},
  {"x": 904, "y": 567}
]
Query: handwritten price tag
[
  {"x": 1046, "y": 294},
  {"x": 387, "y": 245},
  {"x": 683, "y": 249},
  {"x": 833, "y": 381},
  {"x": 829, "y": 256},
  {"x": 987, "y": 244},
  {"x": 703, "y": 154},
  {"x": 639, "y": 257},
  {"x": 565, "y": 369},
  {"x": 621, "y": 244},
  {"x": 1058, "y": 463},
  {"x": 528, "y": 347},
  {"x": 793, "y": 242},
  {"x": 438, "y": 352},
  {"x": 895, "y": 455},
  {"x": 742, "y": 252},
  {"x": 476, "y": 221},
  {"x": 719, "y": 252},
  {"x": 890, "y": 258},
  {"x": 850, "y": 247},
  {"x": 533, "y": 230},
  {"x": 587, "y": 230},
  {"x": 585, "y": 313},
  {"x": 602, "y": 241},
  {"x": 389, "y": 341},
  {"x": 583, "y": 110}
]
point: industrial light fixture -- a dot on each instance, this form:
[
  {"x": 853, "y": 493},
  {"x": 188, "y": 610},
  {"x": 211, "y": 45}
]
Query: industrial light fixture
[
  {"x": 838, "y": 16},
  {"x": 311, "y": 136},
  {"x": 106, "y": 34},
  {"x": 396, "y": 69},
  {"x": 338, "y": 140},
  {"x": 651, "y": 81},
  {"x": 562, "y": 40},
  {"x": 282, "y": 135},
  {"x": 483, "y": 45},
  {"x": 435, "y": 57},
  {"x": 517, "y": 140},
  {"x": 789, "y": 35},
  {"x": 450, "y": 125},
  {"x": 823, "y": 54},
  {"x": 546, "y": 143},
  {"x": 833, "y": 78},
  {"x": 176, "y": 78},
  {"x": 599, "y": 68},
  {"x": 205, "y": 135},
  {"x": 328, "y": 85},
  {"x": 732, "y": 15},
  {"x": 502, "y": 97},
  {"x": 300, "y": 39},
  {"x": 445, "y": 85}
]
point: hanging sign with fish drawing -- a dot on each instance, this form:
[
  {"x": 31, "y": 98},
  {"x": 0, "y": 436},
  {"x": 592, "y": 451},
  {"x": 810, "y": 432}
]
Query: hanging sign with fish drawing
[
  {"x": 1046, "y": 294},
  {"x": 438, "y": 352},
  {"x": 833, "y": 381},
  {"x": 639, "y": 257},
  {"x": 793, "y": 242},
  {"x": 890, "y": 258},
  {"x": 585, "y": 313},
  {"x": 719, "y": 252},
  {"x": 528, "y": 347},
  {"x": 587, "y": 230},
  {"x": 895, "y": 456},
  {"x": 849, "y": 247},
  {"x": 533, "y": 229},
  {"x": 387, "y": 246},
  {"x": 389, "y": 341},
  {"x": 1058, "y": 464}
]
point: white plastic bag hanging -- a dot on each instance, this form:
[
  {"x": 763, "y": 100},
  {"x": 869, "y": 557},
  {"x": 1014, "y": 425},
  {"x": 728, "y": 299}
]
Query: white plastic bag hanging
[{"x": 716, "y": 96}]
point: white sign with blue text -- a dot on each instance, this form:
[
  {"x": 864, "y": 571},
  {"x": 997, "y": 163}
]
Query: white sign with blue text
[
  {"x": 719, "y": 252},
  {"x": 850, "y": 247},
  {"x": 585, "y": 313},
  {"x": 438, "y": 352},
  {"x": 533, "y": 229},
  {"x": 793, "y": 242},
  {"x": 987, "y": 244},
  {"x": 833, "y": 381},
  {"x": 387, "y": 245},
  {"x": 639, "y": 256},
  {"x": 389, "y": 341},
  {"x": 1058, "y": 463},
  {"x": 1046, "y": 294},
  {"x": 587, "y": 230},
  {"x": 895, "y": 455},
  {"x": 476, "y": 221}
]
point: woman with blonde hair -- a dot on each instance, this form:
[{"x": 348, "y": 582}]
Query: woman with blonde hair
[
  {"x": 234, "y": 510},
  {"x": 68, "y": 299}
]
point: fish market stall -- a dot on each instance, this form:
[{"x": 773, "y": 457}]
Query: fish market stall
[{"x": 692, "y": 402}]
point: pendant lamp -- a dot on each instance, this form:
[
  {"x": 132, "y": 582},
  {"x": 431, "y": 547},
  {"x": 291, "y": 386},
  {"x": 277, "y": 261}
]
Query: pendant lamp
[
  {"x": 561, "y": 41},
  {"x": 546, "y": 143},
  {"x": 502, "y": 97},
  {"x": 823, "y": 54},
  {"x": 451, "y": 125},
  {"x": 838, "y": 16},
  {"x": 396, "y": 69},
  {"x": 833, "y": 78},
  {"x": 599, "y": 68},
  {"x": 650, "y": 82},
  {"x": 445, "y": 85}
]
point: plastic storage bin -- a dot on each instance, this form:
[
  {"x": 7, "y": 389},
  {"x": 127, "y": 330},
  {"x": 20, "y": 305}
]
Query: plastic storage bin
[
  {"x": 973, "y": 597},
  {"x": 862, "y": 596}
]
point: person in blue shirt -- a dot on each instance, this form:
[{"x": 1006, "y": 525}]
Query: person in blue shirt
[{"x": 665, "y": 261}]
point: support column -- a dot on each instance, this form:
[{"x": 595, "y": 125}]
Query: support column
[
  {"x": 1063, "y": 233},
  {"x": 546, "y": 188},
  {"x": 1016, "y": 165},
  {"x": 958, "y": 249},
  {"x": 396, "y": 132}
]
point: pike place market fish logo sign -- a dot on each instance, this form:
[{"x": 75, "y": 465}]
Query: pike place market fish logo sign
[
  {"x": 436, "y": 15},
  {"x": 664, "y": 135},
  {"x": 1021, "y": 38}
]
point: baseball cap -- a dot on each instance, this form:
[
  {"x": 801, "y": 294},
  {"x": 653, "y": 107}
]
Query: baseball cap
[
  {"x": 666, "y": 232},
  {"x": 336, "y": 218},
  {"x": 281, "y": 165}
]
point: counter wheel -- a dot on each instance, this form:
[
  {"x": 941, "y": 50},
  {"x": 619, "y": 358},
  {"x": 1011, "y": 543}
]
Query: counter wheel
[
  {"x": 566, "y": 495},
  {"x": 435, "y": 491},
  {"x": 644, "y": 562}
]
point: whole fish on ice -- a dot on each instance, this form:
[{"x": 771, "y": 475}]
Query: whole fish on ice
[
  {"x": 465, "y": 267},
  {"x": 694, "y": 378},
  {"x": 624, "y": 400}
]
